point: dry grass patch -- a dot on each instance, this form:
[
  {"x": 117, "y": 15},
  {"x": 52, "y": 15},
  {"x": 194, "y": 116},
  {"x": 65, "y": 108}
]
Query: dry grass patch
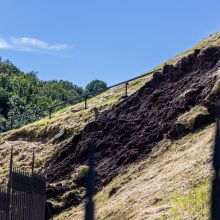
[
  {"x": 216, "y": 88},
  {"x": 188, "y": 118}
]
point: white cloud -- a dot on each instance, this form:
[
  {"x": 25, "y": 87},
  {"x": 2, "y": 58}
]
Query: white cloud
[
  {"x": 4, "y": 44},
  {"x": 31, "y": 44}
]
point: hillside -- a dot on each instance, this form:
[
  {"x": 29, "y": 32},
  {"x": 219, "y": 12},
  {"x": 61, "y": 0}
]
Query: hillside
[
  {"x": 177, "y": 101},
  {"x": 152, "y": 138}
]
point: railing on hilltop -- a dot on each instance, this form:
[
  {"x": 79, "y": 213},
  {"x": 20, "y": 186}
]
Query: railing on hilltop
[{"x": 10, "y": 123}]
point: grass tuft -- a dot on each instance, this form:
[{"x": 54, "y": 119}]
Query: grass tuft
[
  {"x": 216, "y": 88},
  {"x": 188, "y": 118}
]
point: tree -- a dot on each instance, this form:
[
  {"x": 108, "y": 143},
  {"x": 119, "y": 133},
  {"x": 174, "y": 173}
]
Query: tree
[
  {"x": 23, "y": 94},
  {"x": 95, "y": 86}
]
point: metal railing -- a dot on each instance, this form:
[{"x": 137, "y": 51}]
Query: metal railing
[{"x": 9, "y": 124}]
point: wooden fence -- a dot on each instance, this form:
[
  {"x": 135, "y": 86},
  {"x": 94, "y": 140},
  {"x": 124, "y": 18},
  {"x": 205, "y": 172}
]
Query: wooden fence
[{"x": 25, "y": 195}]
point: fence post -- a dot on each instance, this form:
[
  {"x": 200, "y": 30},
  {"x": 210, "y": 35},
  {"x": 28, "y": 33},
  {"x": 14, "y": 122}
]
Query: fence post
[
  {"x": 9, "y": 188},
  {"x": 215, "y": 210},
  {"x": 50, "y": 113},
  {"x": 85, "y": 102},
  {"x": 90, "y": 183},
  {"x": 126, "y": 89},
  {"x": 45, "y": 199},
  {"x": 11, "y": 124}
]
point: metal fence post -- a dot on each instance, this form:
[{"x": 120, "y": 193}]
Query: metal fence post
[
  {"x": 215, "y": 206},
  {"x": 50, "y": 113},
  {"x": 90, "y": 183},
  {"x": 85, "y": 102},
  {"x": 126, "y": 89}
]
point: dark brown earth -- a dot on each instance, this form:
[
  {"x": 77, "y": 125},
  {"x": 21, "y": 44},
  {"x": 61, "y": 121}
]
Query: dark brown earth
[{"x": 128, "y": 131}]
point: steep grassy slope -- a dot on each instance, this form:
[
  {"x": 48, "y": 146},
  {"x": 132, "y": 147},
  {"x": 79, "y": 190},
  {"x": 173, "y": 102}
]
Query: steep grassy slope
[
  {"x": 40, "y": 137},
  {"x": 178, "y": 100}
]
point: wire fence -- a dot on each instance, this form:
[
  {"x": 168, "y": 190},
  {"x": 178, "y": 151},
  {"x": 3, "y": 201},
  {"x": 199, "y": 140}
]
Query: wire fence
[{"x": 28, "y": 117}]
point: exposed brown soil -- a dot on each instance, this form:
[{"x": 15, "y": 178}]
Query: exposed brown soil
[
  {"x": 128, "y": 131},
  {"x": 151, "y": 188}
]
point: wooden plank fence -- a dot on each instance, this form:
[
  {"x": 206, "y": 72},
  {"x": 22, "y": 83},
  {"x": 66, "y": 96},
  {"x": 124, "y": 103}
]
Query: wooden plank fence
[
  {"x": 25, "y": 195},
  {"x": 4, "y": 203}
]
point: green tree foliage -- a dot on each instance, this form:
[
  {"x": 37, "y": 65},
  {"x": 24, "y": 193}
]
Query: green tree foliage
[
  {"x": 23, "y": 94},
  {"x": 61, "y": 90},
  {"x": 95, "y": 86}
]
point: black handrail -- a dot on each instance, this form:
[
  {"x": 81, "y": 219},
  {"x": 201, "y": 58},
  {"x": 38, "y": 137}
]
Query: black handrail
[{"x": 86, "y": 97}]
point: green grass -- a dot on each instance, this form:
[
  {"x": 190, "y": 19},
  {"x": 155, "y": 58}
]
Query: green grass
[{"x": 194, "y": 204}]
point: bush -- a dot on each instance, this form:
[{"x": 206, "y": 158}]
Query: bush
[{"x": 95, "y": 86}]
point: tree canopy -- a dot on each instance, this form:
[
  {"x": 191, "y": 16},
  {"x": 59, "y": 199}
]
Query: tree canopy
[
  {"x": 23, "y": 93},
  {"x": 95, "y": 86}
]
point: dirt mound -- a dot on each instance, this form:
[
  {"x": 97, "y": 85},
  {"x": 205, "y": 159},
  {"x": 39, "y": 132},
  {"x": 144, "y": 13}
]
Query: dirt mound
[{"x": 128, "y": 131}]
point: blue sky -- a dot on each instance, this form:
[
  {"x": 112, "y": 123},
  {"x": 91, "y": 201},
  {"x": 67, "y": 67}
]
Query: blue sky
[{"x": 111, "y": 40}]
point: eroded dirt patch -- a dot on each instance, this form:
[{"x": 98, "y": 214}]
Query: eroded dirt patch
[{"x": 129, "y": 131}]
